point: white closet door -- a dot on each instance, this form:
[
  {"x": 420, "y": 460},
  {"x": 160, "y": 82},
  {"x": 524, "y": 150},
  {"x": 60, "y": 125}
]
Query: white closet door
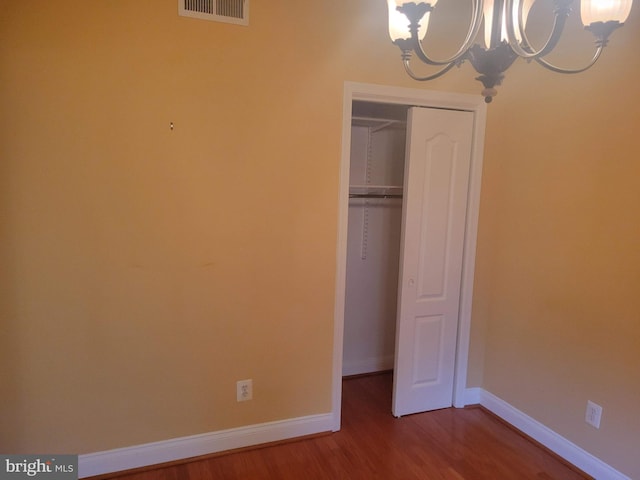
[{"x": 437, "y": 163}]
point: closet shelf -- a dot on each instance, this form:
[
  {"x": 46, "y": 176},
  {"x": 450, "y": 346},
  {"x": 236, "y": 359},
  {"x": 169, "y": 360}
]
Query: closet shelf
[
  {"x": 377, "y": 123},
  {"x": 375, "y": 191}
]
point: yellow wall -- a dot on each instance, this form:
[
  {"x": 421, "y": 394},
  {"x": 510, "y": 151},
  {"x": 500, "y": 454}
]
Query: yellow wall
[
  {"x": 145, "y": 270},
  {"x": 558, "y": 297}
]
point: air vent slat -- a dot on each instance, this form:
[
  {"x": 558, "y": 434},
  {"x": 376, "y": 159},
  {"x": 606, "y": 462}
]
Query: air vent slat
[
  {"x": 202, "y": 6},
  {"x": 229, "y": 11},
  {"x": 230, "y": 8}
]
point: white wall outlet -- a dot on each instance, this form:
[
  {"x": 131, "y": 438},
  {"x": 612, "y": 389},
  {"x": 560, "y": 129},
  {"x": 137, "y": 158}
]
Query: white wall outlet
[
  {"x": 594, "y": 414},
  {"x": 244, "y": 390}
]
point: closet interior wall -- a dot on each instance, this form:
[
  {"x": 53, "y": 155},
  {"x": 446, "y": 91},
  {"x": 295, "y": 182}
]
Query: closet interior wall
[{"x": 378, "y": 136}]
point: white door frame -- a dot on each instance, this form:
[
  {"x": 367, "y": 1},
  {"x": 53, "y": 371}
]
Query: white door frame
[{"x": 421, "y": 98}]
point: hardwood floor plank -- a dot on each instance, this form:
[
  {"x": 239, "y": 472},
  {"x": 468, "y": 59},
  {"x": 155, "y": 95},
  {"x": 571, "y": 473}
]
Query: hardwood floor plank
[{"x": 448, "y": 444}]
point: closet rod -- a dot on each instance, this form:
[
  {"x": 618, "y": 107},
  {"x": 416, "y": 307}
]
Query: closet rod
[
  {"x": 364, "y": 118},
  {"x": 371, "y": 186},
  {"x": 374, "y": 195}
]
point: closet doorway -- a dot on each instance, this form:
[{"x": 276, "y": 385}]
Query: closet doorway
[
  {"x": 410, "y": 179},
  {"x": 376, "y": 173}
]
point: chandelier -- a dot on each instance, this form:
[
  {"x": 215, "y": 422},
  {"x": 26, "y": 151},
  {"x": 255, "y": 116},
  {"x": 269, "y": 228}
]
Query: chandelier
[{"x": 505, "y": 38}]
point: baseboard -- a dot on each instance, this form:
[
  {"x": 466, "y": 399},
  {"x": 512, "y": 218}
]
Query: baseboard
[
  {"x": 193, "y": 446},
  {"x": 186, "y": 447},
  {"x": 472, "y": 396},
  {"x": 556, "y": 443},
  {"x": 375, "y": 364}
]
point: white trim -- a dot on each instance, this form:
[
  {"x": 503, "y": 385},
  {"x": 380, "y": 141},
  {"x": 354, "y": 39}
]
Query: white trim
[
  {"x": 469, "y": 260},
  {"x": 556, "y": 443},
  {"x": 473, "y": 396},
  {"x": 186, "y": 447},
  {"x": 424, "y": 98},
  {"x": 375, "y": 364}
]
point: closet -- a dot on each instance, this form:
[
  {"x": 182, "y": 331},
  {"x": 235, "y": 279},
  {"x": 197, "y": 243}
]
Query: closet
[
  {"x": 405, "y": 265},
  {"x": 378, "y": 137},
  {"x": 409, "y": 178}
]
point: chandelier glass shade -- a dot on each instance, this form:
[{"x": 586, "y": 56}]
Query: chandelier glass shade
[{"x": 505, "y": 37}]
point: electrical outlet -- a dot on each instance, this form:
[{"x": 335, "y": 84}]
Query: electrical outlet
[
  {"x": 594, "y": 414},
  {"x": 244, "y": 390}
]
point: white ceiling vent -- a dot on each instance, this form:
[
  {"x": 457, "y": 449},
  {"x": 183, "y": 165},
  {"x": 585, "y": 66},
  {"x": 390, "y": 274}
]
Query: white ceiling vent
[{"x": 229, "y": 11}]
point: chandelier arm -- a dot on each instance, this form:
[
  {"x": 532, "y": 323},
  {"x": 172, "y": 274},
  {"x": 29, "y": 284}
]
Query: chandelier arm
[
  {"x": 407, "y": 67},
  {"x": 553, "y": 68},
  {"x": 523, "y": 48},
  {"x": 474, "y": 28}
]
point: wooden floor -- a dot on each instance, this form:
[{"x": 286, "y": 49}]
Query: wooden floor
[{"x": 450, "y": 444}]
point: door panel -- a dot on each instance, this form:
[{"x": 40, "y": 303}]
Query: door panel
[
  {"x": 434, "y": 197},
  {"x": 426, "y": 349},
  {"x": 435, "y": 202}
]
